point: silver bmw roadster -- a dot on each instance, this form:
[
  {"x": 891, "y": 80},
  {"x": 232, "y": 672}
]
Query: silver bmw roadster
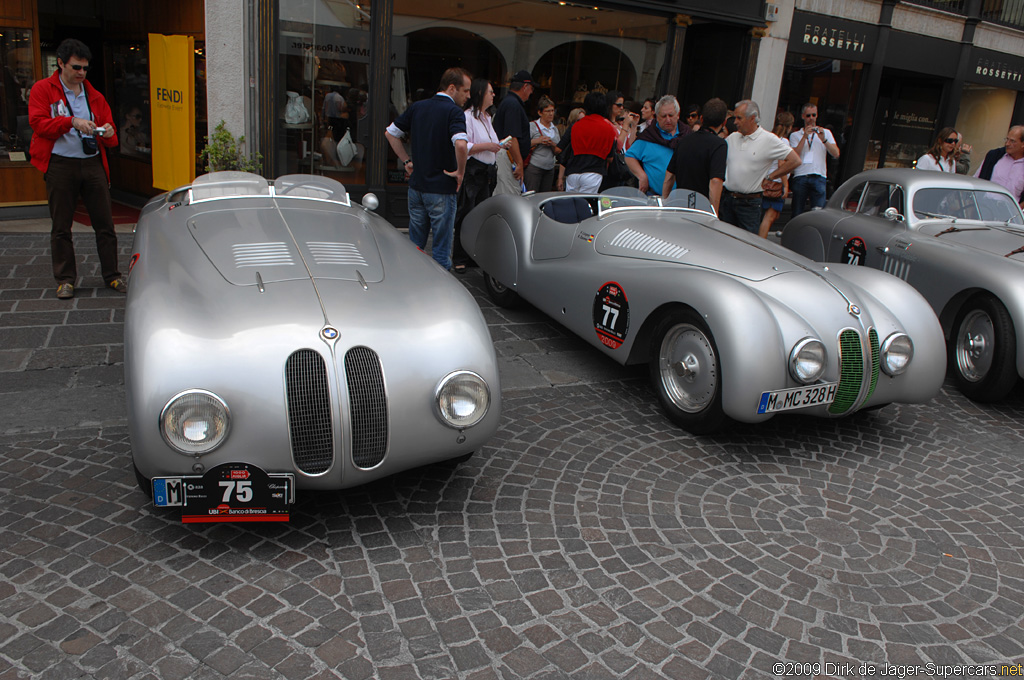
[
  {"x": 957, "y": 240},
  {"x": 730, "y": 325},
  {"x": 278, "y": 337}
]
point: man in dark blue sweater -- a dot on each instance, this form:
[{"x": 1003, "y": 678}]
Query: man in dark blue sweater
[{"x": 437, "y": 130}]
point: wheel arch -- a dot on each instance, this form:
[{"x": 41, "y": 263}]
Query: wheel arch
[{"x": 1013, "y": 302}]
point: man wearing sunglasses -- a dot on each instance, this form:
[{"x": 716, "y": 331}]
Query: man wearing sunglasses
[
  {"x": 72, "y": 128},
  {"x": 811, "y": 144}
]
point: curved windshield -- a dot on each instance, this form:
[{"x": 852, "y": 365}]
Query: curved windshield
[{"x": 967, "y": 204}]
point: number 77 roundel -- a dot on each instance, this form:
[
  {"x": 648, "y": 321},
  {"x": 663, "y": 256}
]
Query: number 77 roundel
[{"x": 611, "y": 315}]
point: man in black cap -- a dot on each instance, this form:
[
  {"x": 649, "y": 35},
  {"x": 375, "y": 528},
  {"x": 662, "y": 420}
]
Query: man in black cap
[{"x": 511, "y": 120}]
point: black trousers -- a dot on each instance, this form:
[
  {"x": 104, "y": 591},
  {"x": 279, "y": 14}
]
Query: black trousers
[
  {"x": 67, "y": 179},
  {"x": 477, "y": 186}
]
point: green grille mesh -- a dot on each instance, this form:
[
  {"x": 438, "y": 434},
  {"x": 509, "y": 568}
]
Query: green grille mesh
[
  {"x": 873, "y": 340},
  {"x": 851, "y": 372}
]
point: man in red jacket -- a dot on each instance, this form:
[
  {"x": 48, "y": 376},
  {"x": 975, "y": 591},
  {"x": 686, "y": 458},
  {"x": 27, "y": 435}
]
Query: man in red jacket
[{"x": 72, "y": 128}]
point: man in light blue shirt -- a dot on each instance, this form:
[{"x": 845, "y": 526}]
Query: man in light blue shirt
[{"x": 650, "y": 154}]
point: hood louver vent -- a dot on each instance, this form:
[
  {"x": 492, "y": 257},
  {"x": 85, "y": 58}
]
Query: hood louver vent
[
  {"x": 324, "y": 252},
  {"x": 262, "y": 254}
]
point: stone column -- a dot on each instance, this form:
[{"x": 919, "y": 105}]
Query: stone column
[{"x": 674, "y": 57}]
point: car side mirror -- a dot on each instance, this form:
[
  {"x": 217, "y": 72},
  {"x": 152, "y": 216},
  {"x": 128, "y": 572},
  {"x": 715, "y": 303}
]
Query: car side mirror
[
  {"x": 370, "y": 201},
  {"x": 893, "y": 214}
]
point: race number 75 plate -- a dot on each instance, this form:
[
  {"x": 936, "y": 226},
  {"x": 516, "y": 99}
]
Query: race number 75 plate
[
  {"x": 798, "y": 397},
  {"x": 229, "y": 492}
]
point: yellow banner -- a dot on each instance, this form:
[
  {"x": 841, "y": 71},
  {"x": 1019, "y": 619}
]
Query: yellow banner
[{"x": 172, "y": 104}]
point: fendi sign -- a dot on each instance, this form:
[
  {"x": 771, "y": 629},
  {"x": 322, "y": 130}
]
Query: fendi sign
[{"x": 827, "y": 36}]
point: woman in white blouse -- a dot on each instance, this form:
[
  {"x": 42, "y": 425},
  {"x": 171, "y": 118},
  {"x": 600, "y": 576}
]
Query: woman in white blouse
[
  {"x": 481, "y": 173},
  {"x": 940, "y": 157}
]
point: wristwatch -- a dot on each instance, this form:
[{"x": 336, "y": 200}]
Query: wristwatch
[{"x": 407, "y": 161}]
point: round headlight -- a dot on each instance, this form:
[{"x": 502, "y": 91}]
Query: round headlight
[
  {"x": 807, "y": 360},
  {"x": 195, "y": 422},
  {"x": 462, "y": 399},
  {"x": 897, "y": 351}
]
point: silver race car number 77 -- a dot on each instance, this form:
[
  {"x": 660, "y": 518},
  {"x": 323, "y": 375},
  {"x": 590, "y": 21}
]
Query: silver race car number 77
[{"x": 798, "y": 397}]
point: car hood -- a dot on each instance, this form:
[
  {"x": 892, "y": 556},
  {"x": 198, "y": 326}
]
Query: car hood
[
  {"x": 668, "y": 237},
  {"x": 265, "y": 245},
  {"x": 997, "y": 239}
]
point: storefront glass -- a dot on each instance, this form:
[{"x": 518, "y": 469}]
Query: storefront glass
[
  {"x": 323, "y": 86},
  {"x": 904, "y": 125},
  {"x": 830, "y": 84},
  {"x": 985, "y": 116},
  {"x": 569, "y": 49},
  {"x": 16, "y": 65}
]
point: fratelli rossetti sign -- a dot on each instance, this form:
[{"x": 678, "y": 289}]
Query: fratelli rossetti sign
[
  {"x": 826, "y": 36},
  {"x": 996, "y": 68}
]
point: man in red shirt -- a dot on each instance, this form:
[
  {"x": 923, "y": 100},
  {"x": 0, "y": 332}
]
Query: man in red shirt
[
  {"x": 586, "y": 146},
  {"x": 72, "y": 128}
]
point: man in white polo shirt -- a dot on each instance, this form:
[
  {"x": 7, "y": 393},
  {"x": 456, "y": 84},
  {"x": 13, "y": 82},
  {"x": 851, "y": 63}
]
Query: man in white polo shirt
[
  {"x": 752, "y": 150},
  {"x": 811, "y": 144}
]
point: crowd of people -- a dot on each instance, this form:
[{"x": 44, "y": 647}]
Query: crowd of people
[{"x": 465, "y": 155}]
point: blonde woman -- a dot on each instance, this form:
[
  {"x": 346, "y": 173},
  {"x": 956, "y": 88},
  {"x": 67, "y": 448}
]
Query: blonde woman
[{"x": 773, "y": 206}]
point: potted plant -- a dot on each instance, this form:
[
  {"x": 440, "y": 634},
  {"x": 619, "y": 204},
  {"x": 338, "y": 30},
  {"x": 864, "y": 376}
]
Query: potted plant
[{"x": 224, "y": 152}]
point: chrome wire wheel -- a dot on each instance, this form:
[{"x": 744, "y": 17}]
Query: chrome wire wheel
[
  {"x": 688, "y": 368},
  {"x": 975, "y": 342},
  {"x": 982, "y": 350}
]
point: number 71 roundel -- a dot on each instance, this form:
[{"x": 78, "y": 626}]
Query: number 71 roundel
[{"x": 611, "y": 315}]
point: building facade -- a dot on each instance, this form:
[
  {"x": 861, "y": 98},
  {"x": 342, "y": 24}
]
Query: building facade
[{"x": 295, "y": 76}]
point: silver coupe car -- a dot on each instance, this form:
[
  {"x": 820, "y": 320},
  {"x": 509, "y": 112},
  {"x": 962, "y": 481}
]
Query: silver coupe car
[
  {"x": 278, "y": 337},
  {"x": 729, "y": 324},
  {"x": 958, "y": 240}
]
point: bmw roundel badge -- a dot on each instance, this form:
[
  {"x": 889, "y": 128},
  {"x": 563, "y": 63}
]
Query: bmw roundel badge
[
  {"x": 329, "y": 333},
  {"x": 854, "y": 309}
]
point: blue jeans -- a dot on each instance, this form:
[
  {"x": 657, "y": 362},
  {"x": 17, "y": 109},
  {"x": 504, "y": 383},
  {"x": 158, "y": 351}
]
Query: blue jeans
[
  {"x": 806, "y": 187},
  {"x": 745, "y": 213},
  {"x": 433, "y": 212}
]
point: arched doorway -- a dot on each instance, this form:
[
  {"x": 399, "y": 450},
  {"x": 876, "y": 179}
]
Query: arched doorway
[
  {"x": 584, "y": 64},
  {"x": 432, "y": 50}
]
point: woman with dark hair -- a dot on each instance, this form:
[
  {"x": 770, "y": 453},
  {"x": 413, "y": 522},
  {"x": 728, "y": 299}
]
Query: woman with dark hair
[
  {"x": 481, "y": 173},
  {"x": 646, "y": 114},
  {"x": 940, "y": 157},
  {"x": 691, "y": 117},
  {"x": 544, "y": 138}
]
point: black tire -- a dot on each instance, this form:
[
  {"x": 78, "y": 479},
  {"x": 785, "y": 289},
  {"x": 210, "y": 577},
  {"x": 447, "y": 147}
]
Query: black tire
[
  {"x": 500, "y": 294},
  {"x": 686, "y": 373},
  {"x": 982, "y": 350},
  {"x": 144, "y": 484}
]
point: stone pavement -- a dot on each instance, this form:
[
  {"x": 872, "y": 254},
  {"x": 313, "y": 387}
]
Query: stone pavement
[{"x": 589, "y": 539}]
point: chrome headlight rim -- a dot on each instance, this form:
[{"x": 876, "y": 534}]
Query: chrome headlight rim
[
  {"x": 807, "y": 343},
  {"x": 445, "y": 382},
  {"x": 215, "y": 399},
  {"x": 887, "y": 346}
]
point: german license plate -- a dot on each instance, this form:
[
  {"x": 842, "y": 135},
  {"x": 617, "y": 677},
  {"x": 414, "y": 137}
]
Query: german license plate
[
  {"x": 229, "y": 492},
  {"x": 798, "y": 397}
]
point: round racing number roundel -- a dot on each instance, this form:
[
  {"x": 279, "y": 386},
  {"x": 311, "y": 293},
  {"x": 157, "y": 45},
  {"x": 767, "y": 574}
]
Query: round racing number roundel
[
  {"x": 611, "y": 315},
  {"x": 854, "y": 251}
]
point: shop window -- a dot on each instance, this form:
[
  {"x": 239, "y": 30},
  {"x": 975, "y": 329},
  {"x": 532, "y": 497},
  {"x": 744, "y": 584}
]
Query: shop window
[
  {"x": 16, "y": 65},
  {"x": 131, "y": 99},
  {"x": 324, "y": 57}
]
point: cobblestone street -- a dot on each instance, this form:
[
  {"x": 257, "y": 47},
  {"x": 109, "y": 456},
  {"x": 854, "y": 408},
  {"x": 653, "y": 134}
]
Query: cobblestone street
[{"x": 589, "y": 539}]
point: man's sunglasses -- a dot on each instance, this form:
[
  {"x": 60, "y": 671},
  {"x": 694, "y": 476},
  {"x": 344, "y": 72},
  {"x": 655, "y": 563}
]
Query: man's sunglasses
[{"x": 79, "y": 67}]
